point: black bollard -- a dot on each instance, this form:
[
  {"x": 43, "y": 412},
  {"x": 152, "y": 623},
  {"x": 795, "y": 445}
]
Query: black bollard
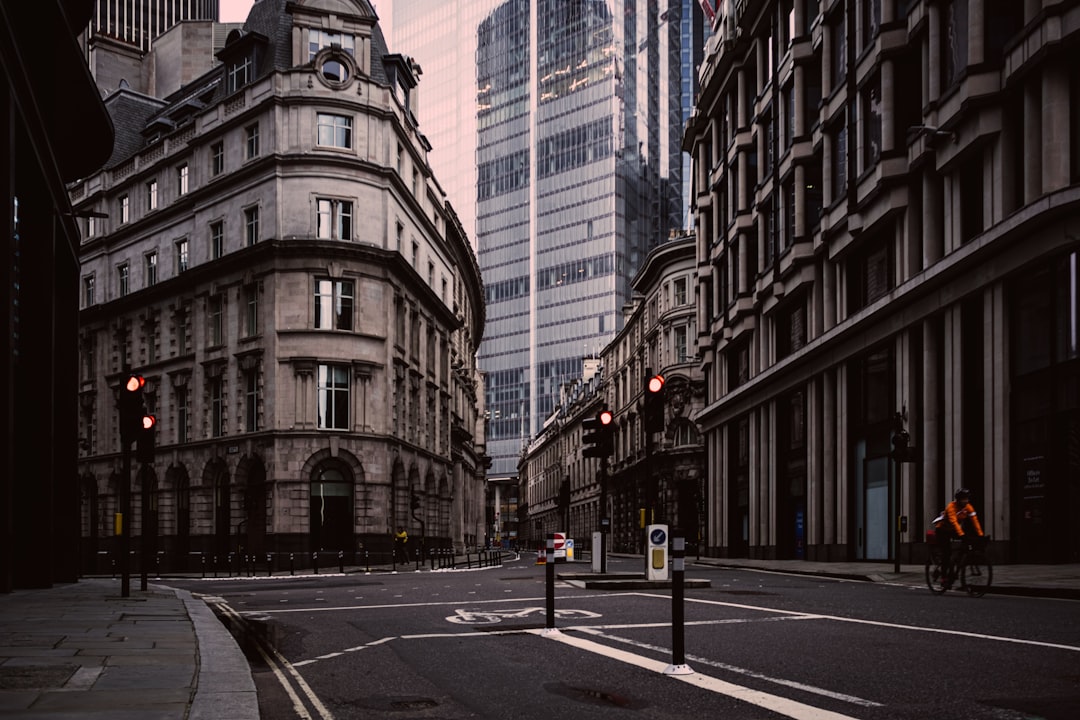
[
  {"x": 550, "y": 572},
  {"x": 678, "y": 616},
  {"x": 341, "y": 561}
]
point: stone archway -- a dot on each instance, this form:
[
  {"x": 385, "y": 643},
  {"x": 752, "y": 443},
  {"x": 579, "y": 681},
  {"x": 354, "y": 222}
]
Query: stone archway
[
  {"x": 216, "y": 479},
  {"x": 251, "y": 483}
]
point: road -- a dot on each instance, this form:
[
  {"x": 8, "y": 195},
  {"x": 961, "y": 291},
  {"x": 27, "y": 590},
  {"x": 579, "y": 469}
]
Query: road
[{"x": 473, "y": 644}]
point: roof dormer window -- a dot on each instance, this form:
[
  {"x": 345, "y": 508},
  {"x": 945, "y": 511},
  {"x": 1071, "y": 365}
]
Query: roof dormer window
[{"x": 239, "y": 73}]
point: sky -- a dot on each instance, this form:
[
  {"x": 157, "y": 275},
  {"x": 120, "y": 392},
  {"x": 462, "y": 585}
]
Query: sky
[
  {"x": 237, "y": 11},
  {"x": 234, "y": 10}
]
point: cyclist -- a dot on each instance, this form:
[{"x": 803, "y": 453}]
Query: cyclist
[{"x": 958, "y": 521}]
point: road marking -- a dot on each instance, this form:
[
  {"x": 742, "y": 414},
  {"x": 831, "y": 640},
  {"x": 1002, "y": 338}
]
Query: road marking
[
  {"x": 425, "y": 604},
  {"x": 880, "y": 623},
  {"x": 775, "y": 703},
  {"x": 277, "y": 663},
  {"x": 697, "y": 660}
]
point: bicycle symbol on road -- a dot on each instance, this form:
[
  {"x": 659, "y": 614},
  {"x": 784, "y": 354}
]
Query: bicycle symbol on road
[{"x": 490, "y": 617}]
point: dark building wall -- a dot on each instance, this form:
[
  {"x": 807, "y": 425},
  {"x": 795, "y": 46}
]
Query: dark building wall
[{"x": 44, "y": 85}]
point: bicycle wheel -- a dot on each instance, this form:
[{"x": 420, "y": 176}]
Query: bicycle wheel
[
  {"x": 977, "y": 573},
  {"x": 935, "y": 574}
]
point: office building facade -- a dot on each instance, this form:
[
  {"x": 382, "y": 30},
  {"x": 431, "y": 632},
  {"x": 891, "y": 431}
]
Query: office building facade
[
  {"x": 279, "y": 264},
  {"x": 887, "y": 198},
  {"x": 140, "y": 22}
]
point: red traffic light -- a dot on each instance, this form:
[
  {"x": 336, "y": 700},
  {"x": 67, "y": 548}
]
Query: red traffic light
[
  {"x": 605, "y": 417},
  {"x": 655, "y": 384},
  {"x": 134, "y": 383},
  {"x": 148, "y": 422}
]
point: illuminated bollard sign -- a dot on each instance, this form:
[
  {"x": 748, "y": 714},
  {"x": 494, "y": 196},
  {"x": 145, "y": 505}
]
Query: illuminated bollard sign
[{"x": 656, "y": 553}]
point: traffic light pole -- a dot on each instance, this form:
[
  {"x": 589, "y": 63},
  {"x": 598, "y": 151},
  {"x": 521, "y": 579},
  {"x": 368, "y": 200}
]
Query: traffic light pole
[
  {"x": 604, "y": 522},
  {"x": 123, "y": 522}
]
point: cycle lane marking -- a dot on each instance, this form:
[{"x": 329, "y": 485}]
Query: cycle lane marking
[{"x": 879, "y": 623}]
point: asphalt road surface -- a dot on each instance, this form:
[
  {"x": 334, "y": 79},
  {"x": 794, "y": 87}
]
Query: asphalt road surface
[{"x": 450, "y": 645}]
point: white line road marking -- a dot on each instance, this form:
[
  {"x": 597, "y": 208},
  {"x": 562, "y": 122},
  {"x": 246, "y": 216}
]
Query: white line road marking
[
  {"x": 425, "y": 604},
  {"x": 741, "y": 671},
  {"x": 879, "y": 623},
  {"x": 775, "y": 703}
]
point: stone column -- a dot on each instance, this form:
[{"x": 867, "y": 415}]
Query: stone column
[
  {"x": 1055, "y": 127},
  {"x": 1033, "y": 141}
]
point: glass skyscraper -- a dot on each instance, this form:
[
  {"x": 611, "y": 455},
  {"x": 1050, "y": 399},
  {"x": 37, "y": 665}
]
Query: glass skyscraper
[{"x": 577, "y": 111}]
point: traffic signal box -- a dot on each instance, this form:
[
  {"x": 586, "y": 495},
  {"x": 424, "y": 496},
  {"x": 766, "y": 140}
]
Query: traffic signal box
[
  {"x": 655, "y": 399},
  {"x": 902, "y": 449},
  {"x": 596, "y": 440},
  {"x": 136, "y": 424}
]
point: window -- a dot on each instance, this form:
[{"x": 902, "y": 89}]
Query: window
[
  {"x": 333, "y": 397},
  {"x": 182, "y": 179},
  {"x": 252, "y": 140},
  {"x": 415, "y": 254},
  {"x": 839, "y": 161},
  {"x": 217, "y": 407},
  {"x": 335, "y": 131},
  {"x": 251, "y": 226},
  {"x": 88, "y": 291},
  {"x": 790, "y": 329},
  {"x": 431, "y": 275},
  {"x": 680, "y": 291},
  {"x": 334, "y": 219},
  {"x": 181, "y": 414},
  {"x": 239, "y": 74},
  {"x": 251, "y": 310},
  {"x": 181, "y": 255},
  {"x": 217, "y": 239},
  {"x": 251, "y": 400},
  {"x": 215, "y": 320},
  {"x": 680, "y": 345},
  {"x": 125, "y": 209},
  {"x": 838, "y": 60},
  {"x": 334, "y": 304},
  {"x": 122, "y": 279},
  {"x": 151, "y": 195},
  {"x": 217, "y": 158},
  {"x": 869, "y": 275},
  {"x": 91, "y": 226},
  {"x": 151, "y": 268},
  {"x": 870, "y": 114},
  {"x": 319, "y": 39}
]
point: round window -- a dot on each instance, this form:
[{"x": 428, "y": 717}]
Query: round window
[{"x": 335, "y": 71}]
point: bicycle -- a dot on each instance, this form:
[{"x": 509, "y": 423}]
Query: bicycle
[{"x": 969, "y": 562}]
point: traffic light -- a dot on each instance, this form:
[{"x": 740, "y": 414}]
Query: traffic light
[
  {"x": 132, "y": 409},
  {"x": 655, "y": 399},
  {"x": 147, "y": 440},
  {"x": 596, "y": 440},
  {"x": 902, "y": 449}
]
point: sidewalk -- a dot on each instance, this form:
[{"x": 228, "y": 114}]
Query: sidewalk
[
  {"x": 81, "y": 651},
  {"x": 1057, "y": 581}
]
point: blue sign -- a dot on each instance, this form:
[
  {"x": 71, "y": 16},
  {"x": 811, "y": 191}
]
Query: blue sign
[{"x": 658, "y": 537}]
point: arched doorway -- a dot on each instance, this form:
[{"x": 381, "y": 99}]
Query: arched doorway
[
  {"x": 251, "y": 473},
  {"x": 216, "y": 478},
  {"x": 177, "y": 477},
  {"x": 331, "y": 507}
]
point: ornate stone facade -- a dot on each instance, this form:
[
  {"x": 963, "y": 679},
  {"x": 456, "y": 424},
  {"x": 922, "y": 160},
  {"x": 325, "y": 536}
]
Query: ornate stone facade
[{"x": 282, "y": 267}]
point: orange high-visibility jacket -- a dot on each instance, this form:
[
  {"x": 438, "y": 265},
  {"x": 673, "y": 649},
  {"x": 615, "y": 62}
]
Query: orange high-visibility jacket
[{"x": 956, "y": 514}]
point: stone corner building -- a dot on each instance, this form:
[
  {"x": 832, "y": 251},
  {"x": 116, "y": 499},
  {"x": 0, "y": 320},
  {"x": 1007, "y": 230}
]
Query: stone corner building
[
  {"x": 281, "y": 266},
  {"x": 887, "y": 196}
]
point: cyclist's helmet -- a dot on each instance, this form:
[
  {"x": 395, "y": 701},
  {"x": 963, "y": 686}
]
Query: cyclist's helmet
[{"x": 963, "y": 495}]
